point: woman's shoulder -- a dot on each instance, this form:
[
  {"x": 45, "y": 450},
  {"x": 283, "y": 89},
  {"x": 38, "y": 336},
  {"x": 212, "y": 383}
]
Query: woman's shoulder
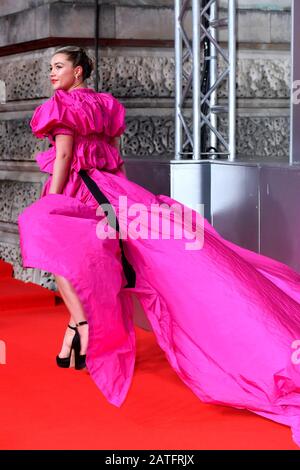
[
  {"x": 50, "y": 113},
  {"x": 116, "y": 113},
  {"x": 79, "y": 97},
  {"x": 105, "y": 104},
  {"x": 58, "y": 100},
  {"x": 107, "y": 98},
  {"x": 84, "y": 110}
]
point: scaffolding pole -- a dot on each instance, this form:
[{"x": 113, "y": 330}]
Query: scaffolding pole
[{"x": 197, "y": 78}]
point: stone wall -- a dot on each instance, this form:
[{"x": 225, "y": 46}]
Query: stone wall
[{"x": 136, "y": 65}]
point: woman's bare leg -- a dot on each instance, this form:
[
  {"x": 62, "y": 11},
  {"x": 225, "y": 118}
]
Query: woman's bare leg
[
  {"x": 76, "y": 310},
  {"x": 67, "y": 342}
]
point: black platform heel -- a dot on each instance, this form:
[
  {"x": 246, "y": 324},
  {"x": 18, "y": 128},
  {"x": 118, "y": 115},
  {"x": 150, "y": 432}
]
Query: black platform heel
[
  {"x": 80, "y": 359},
  {"x": 65, "y": 362}
]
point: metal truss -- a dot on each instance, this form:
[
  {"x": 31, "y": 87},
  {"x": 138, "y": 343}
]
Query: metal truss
[{"x": 198, "y": 78}]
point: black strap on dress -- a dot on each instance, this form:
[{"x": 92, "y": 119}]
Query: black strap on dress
[{"x": 102, "y": 199}]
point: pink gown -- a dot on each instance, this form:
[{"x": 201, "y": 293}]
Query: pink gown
[{"x": 227, "y": 319}]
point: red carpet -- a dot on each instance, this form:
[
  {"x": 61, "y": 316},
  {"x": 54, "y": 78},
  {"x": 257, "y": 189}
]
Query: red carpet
[{"x": 44, "y": 407}]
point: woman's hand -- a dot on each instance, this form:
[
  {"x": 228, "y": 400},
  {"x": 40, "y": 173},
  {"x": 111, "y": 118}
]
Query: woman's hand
[{"x": 62, "y": 163}]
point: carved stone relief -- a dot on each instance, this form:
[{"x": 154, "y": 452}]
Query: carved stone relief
[
  {"x": 17, "y": 142},
  {"x": 148, "y": 136},
  {"x": 144, "y": 76},
  {"x": 14, "y": 197},
  {"x": 11, "y": 254},
  {"x": 261, "y": 137}
]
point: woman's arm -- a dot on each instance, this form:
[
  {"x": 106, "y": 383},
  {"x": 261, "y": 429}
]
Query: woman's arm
[{"x": 62, "y": 163}]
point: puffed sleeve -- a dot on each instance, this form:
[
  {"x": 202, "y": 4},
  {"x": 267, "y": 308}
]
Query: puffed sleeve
[
  {"x": 115, "y": 123},
  {"x": 53, "y": 117},
  {"x": 61, "y": 130}
]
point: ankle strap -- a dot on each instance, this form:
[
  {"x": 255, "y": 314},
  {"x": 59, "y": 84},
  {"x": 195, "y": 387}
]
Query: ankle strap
[
  {"x": 81, "y": 323},
  {"x": 72, "y": 327}
]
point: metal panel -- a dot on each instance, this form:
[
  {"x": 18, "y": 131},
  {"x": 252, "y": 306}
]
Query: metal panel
[
  {"x": 152, "y": 174},
  {"x": 234, "y": 203},
  {"x": 280, "y": 214},
  {"x": 190, "y": 184},
  {"x": 186, "y": 182}
]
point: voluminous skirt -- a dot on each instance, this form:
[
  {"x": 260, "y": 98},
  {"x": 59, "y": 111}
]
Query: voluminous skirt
[{"x": 227, "y": 319}]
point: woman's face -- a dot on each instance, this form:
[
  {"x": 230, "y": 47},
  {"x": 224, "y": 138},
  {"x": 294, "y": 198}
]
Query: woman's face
[{"x": 62, "y": 72}]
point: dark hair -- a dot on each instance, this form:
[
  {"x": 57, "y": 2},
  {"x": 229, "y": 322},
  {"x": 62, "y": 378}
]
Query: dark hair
[{"x": 78, "y": 56}]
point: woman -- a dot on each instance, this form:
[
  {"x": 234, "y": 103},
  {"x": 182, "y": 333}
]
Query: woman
[
  {"x": 228, "y": 319},
  {"x": 69, "y": 69}
]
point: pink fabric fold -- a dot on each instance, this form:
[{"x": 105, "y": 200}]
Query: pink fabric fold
[
  {"x": 82, "y": 110},
  {"x": 226, "y": 318}
]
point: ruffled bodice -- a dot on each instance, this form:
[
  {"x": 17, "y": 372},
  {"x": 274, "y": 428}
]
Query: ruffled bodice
[{"x": 92, "y": 118}]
